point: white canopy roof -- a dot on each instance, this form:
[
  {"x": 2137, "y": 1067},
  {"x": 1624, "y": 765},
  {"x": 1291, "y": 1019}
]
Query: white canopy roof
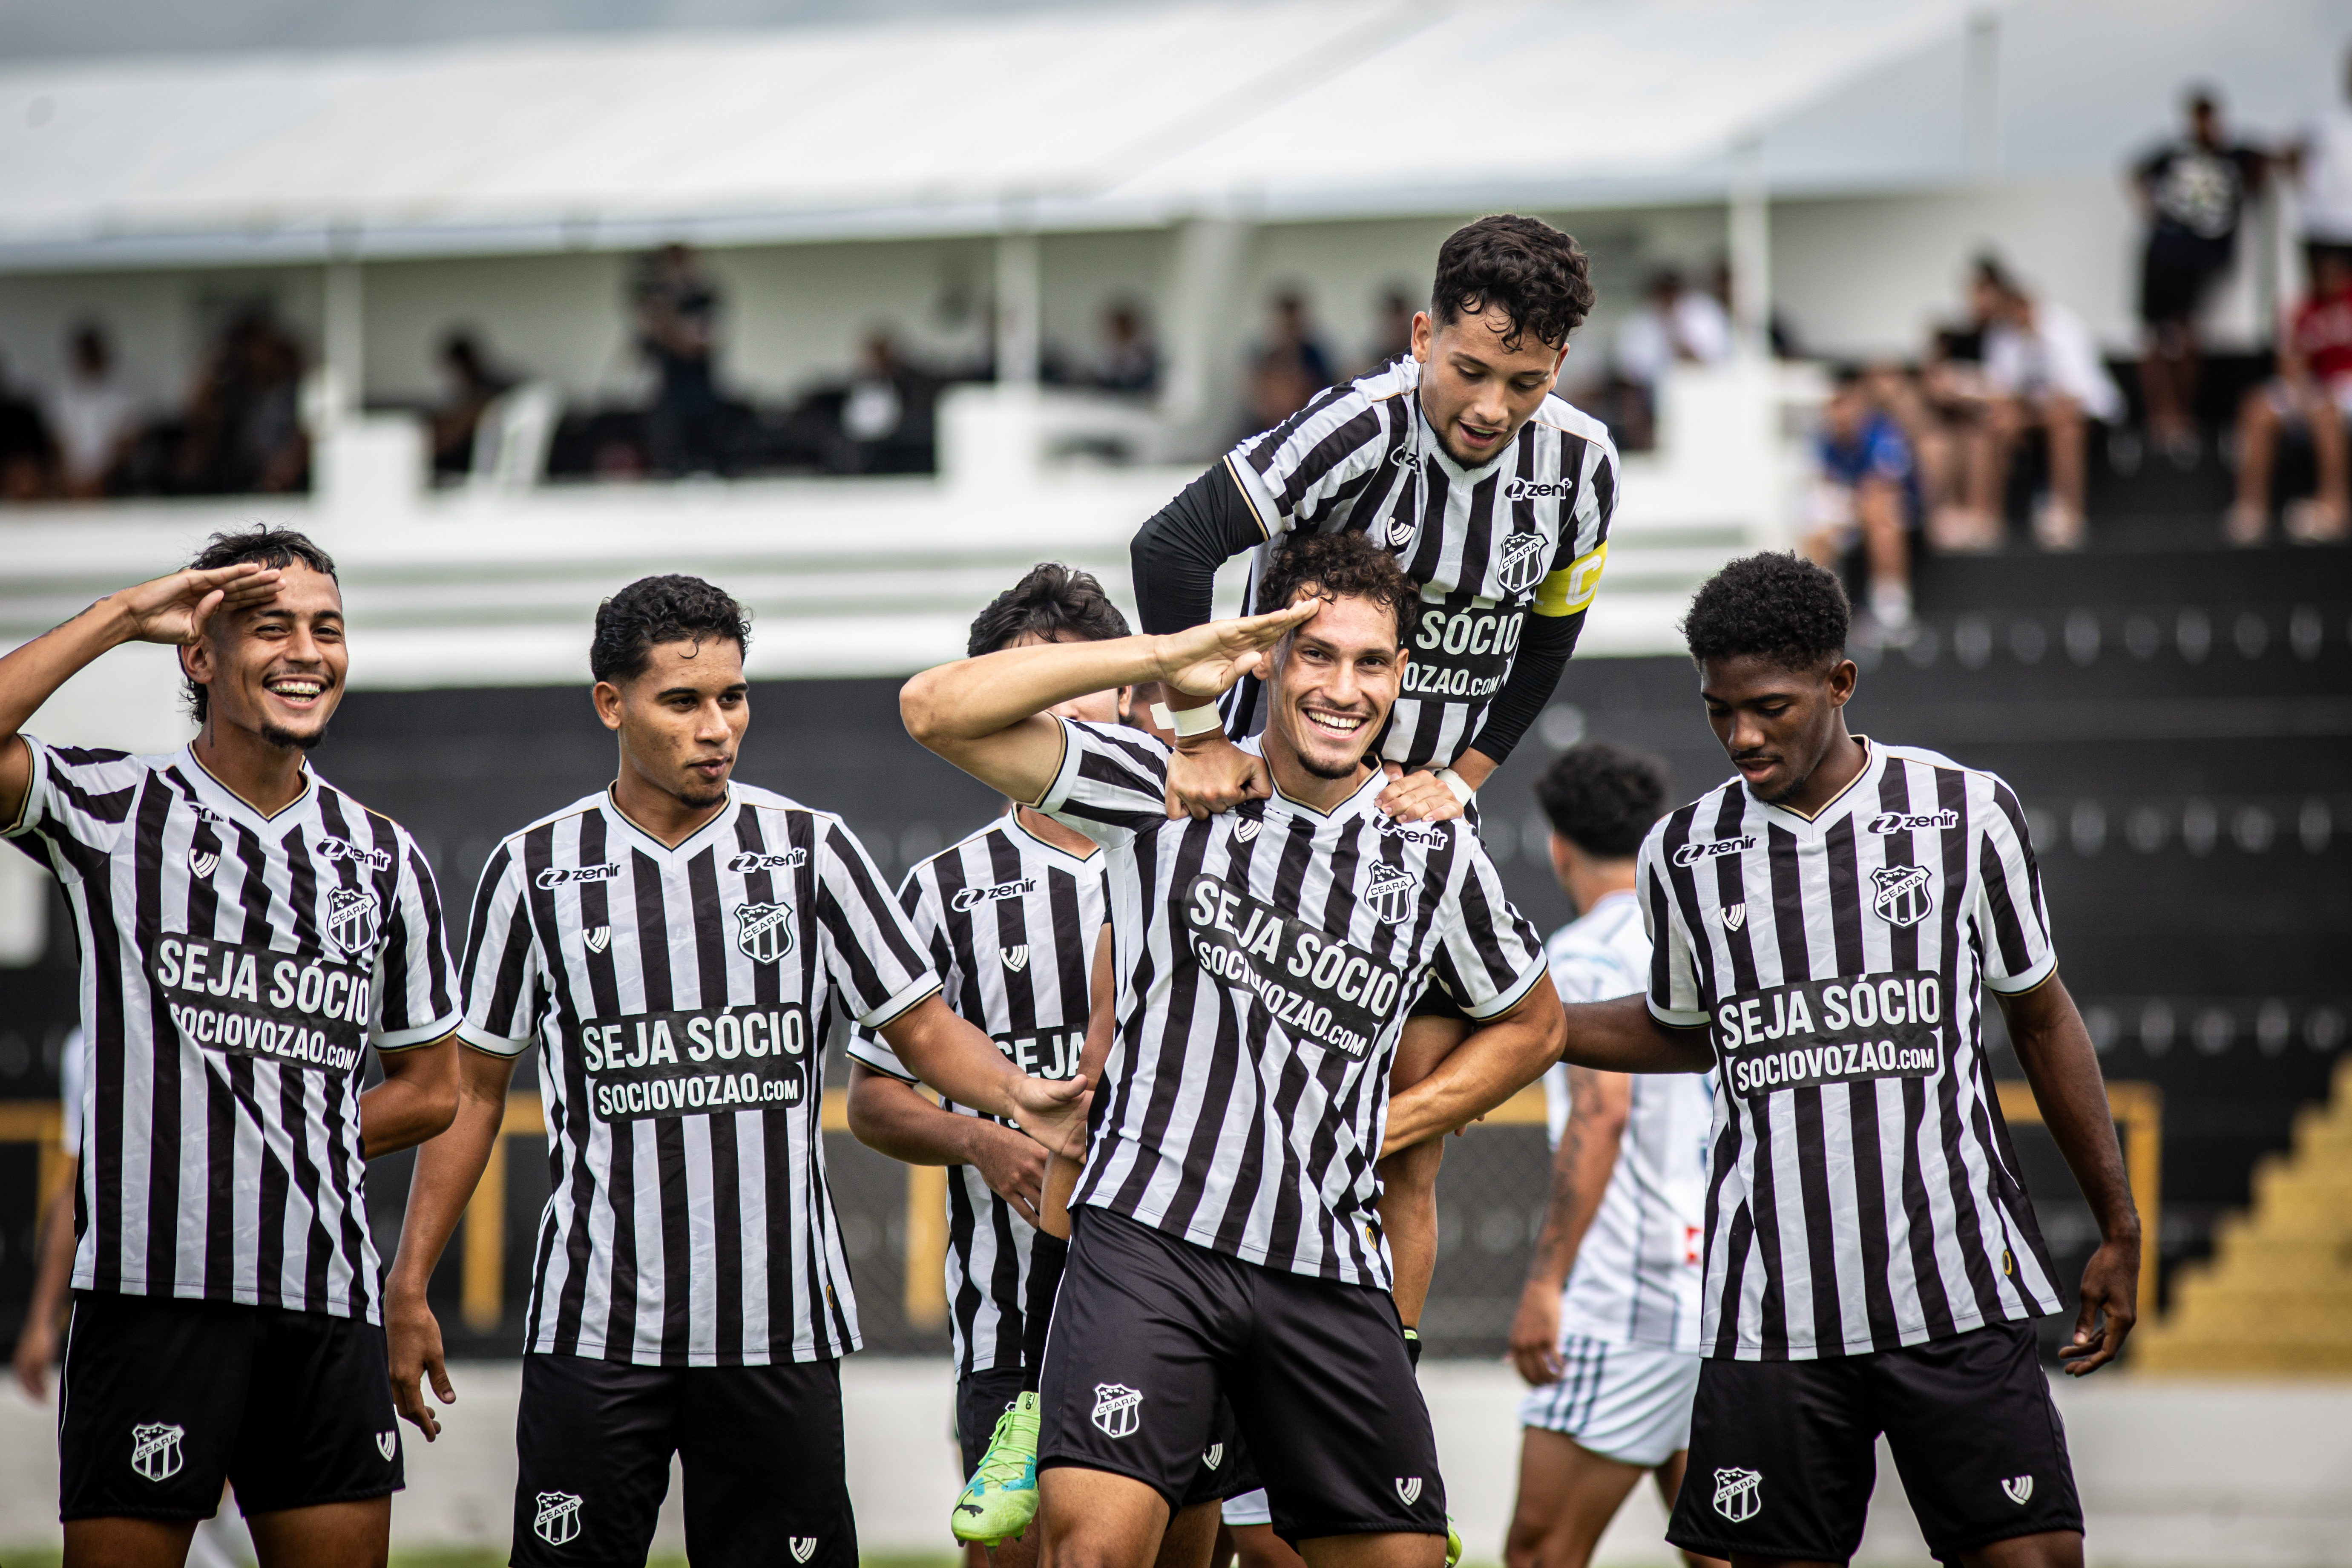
[{"x": 1056, "y": 119}]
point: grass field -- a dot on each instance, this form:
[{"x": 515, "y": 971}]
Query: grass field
[{"x": 494, "y": 1559}]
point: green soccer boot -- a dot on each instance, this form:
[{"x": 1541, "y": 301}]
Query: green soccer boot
[
  {"x": 1452, "y": 1544},
  {"x": 1001, "y": 1499}
]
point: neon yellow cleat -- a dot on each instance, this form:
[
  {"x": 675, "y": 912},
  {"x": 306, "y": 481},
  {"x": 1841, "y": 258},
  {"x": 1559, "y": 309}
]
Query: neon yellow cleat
[
  {"x": 1001, "y": 1499},
  {"x": 1453, "y": 1543}
]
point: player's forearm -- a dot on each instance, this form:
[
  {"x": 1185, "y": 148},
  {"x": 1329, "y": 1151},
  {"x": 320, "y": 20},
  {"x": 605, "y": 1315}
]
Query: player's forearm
[
  {"x": 1408, "y": 1211},
  {"x": 892, "y": 1118},
  {"x": 416, "y": 1099},
  {"x": 1175, "y": 555},
  {"x": 54, "y": 1270},
  {"x": 448, "y": 1168},
  {"x": 2055, "y": 1050},
  {"x": 1623, "y": 1036},
  {"x": 1488, "y": 1068},
  {"x": 974, "y": 698},
  {"x": 1534, "y": 674},
  {"x": 30, "y": 675},
  {"x": 1580, "y": 1169},
  {"x": 955, "y": 1058}
]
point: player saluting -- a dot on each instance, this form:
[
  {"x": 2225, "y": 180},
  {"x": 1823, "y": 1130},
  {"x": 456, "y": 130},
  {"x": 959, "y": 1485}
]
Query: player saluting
[
  {"x": 1494, "y": 495},
  {"x": 1826, "y": 925},
  {"x": 674, "y": 943},
  {"x": 1225, "y": 1237},
  {"x": 247, "y": 931}
]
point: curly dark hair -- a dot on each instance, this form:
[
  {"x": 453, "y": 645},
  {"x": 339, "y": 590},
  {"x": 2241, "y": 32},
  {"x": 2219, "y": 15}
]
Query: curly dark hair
[
  {"x": 1781, "y": 606},
  {"x": 1533, "y": 273},
  {"x": 1050, "y": 600},
  {"x": 275, "y": 548},
  {"x": 1340, "y": 566},
  {"x": 1603, "y": 799},
  {"x": 653, "y": 610}
]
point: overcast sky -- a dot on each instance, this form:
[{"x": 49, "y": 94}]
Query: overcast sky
[{"x": 67, "y": 28}]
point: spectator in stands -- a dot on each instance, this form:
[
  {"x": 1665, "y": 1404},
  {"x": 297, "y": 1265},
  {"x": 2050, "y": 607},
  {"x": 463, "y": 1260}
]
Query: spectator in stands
[
  {"x": 2040, "y": 371},
  {"x": 1673, "y": 325},
  {"x": 94, "y": 417},
  {"x": 1935, "y": 451},
  {"x": 2313, "y": 393},
  {"x": 677, "y": 328},
  {"x": 1392, "y": 336},
  {"x": 1290, "y": 368},
  {"x": 28, "y": 455},
  {"x": 2321, "y": 160},
  {"x": 1865, "y": 495},
  {"x": 244, "y": 429},
  {"x": 473, "y": 387},
  {"x": 2192, "y": 192},
  {"x": 1130, "y": 361}
]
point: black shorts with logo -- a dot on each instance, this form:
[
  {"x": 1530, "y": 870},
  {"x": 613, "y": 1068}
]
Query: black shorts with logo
[
  {"x": 1783, "y": 1457},
  {"x": 163, "y": 1401},
  {"x": 981, "y": 1396},
  {"x": 765, "y": 1480},
  {"x": 1150, "y": 1331}
]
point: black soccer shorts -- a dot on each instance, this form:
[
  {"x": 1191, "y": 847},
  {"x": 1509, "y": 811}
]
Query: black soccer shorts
[
  {"x": 765, "y": 1481},
  {"x": 1225, "y": 1468},
  {"x": 1149, "y": 1329},
  {"x": 162, "y": 1401},
  {"x": 1782, "y": 1455}
]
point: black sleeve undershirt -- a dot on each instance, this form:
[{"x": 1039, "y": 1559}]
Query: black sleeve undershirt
[
  {"x": 1176, "y": 554},
  {"x": 1543, "y": 654}
]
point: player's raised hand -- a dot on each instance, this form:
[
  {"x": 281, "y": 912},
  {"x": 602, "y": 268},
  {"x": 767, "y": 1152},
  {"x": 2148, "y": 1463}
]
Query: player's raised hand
[
  {"x": 175, "y": 610},
  {"x": 1054, "y": 1111},
  {"x": 1418, "y": 796},
  {"x": 1206, "y": 659},
  {"x": 2110, "y": 1306},
  {"x": 413, "y": 1347}
]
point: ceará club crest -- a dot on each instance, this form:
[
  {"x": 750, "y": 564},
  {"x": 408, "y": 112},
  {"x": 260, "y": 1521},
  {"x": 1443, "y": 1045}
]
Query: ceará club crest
[
  {"x": 1389, "y": 893},
  {"x": 763, "y": 932}
]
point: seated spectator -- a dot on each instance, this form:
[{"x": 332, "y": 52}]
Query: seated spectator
[
  {"x": 1129, "y": 362},
  {"x": 2313, "y": 391},
  {"x": 2040, "y": 371},
  {"x": 93, "y": 416},
  {"x": 1673, "y": 325},
  {"x": 1393, "y": 336},
  {"x": 28, "y": 455},
  {"x": 1865, "y": 494},
  {"x": 1935, "y": 452},
  {"x": 473, "y": 387},
  {"x": 244, "y": 427},
  {"x": 2192, "y": 192},
  {"x": 1290, "y": 369}
]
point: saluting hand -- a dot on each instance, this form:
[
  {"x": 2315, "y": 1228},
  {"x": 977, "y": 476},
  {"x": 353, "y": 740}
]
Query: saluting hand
[
  {"x": 175, "y": 610},
  {"x": 1209, "y": 773}
]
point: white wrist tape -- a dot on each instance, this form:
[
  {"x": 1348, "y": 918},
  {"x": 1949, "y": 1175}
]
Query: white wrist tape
[
  {"x": 1457, "y": 784},
  {"x": 1187, "y": 722}
]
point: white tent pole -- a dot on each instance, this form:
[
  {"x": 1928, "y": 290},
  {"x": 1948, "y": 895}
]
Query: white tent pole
[
  {"x": 1197, "y": 327},
  {"x": 1751, "y": 220},
  {"x": 1019, "y": 307},
  {"x": 346, "y": 340},
  {"x": 1982, "y": 111}
]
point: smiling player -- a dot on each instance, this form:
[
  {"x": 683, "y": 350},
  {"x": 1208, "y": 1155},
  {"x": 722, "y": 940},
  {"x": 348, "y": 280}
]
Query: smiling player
[
  {"x": 247, "y": 931},
  {"x": 1493, "y": 494}
]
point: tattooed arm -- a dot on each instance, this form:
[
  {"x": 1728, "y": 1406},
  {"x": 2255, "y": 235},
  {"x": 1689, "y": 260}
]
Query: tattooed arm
[{"x": 1599, "y": 1104}]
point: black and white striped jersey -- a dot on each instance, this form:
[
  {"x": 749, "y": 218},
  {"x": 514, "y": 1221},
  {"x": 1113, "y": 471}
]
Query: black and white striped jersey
[
  {"x": 1266, "y": 960},
  {"x": 1863, "y": 1193},
  {"x": 234, "y": 968},
  {"x": 682, "y": 999},
  {"x": 1526, "y": 533},
  {"x": 1010, "y": 922}
]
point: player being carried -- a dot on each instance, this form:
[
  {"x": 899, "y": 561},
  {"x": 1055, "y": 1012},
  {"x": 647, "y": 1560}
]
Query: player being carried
[
  {"x": 674, "y": 944},
  {"x": 1494, "y": 495},
  {"x": 1225, "y": 1237},
  {"x": 1826, "y": 925},
  {"x": 248, "y": 930}
]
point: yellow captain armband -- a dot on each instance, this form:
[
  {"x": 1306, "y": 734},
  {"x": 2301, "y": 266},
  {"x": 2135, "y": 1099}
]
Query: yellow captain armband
[{"x": 1571, "y": 587}]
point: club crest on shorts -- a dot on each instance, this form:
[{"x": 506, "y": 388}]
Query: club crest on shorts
[
  {"x": 1904, "y": 897},
  {"x": 1116, "y": 1408},
  {"x": 597, "y": 938},
  {"x": 557, "y": 1522},
  {"x": 2018, "y": 1489},
  {"x": 1519, "y": 565},
  {"x": 1016, "y": 959},
  {"x": 155, "y": 1449},
  {"x": 352, "y": 919},
  {"x": 1408, "y": 1490},
  {"x": 1389, "y": 895},
  {"x": 1735, "y": 915},
  {"x": 803, "y": 1547},
  {"x": 388, "y": 1444},
  {"x": 203, "y": 863},
  {"x": 1214, "y": 1456},
  {"x": 1739, "y": 1494},
  {"x": 763, "y": 931}
]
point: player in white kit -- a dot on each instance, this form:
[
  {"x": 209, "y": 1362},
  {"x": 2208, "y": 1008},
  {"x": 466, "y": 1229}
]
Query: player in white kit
[{"x": 1606, "y": 1330}]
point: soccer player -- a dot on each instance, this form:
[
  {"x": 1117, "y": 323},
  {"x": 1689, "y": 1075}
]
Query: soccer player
[
  {"x": 1225, "y": 1237},
  {"x": 1606, "y": 1330},
  {"x": 248, "y": 930},
  {"x": 673, "y": 943},
  {"x": 1826, "y": 925},
  {"x": 1494, "y": 495}
]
